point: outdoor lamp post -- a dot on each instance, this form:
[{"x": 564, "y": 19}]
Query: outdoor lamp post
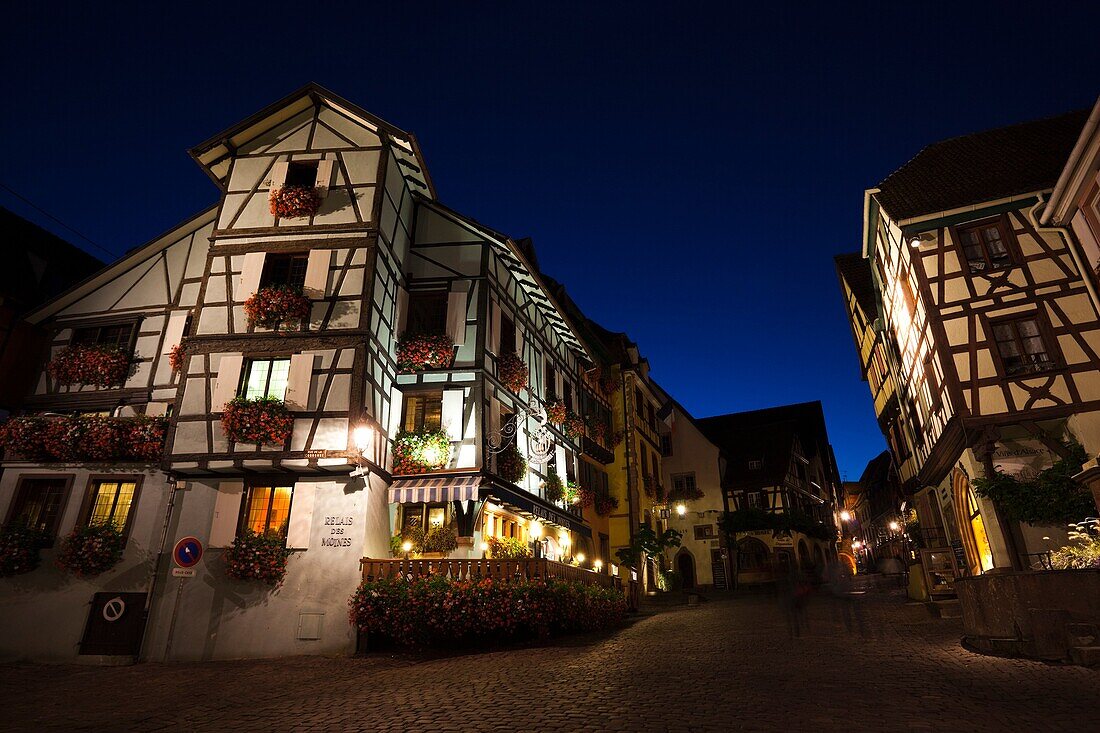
[{"x": 407, "y": 548}]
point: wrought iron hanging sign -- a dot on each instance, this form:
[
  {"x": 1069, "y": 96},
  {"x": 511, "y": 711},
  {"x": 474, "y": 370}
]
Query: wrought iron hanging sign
[{"x": 540, "y": 443}]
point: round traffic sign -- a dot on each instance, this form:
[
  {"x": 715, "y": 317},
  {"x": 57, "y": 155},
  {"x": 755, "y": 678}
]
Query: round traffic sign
[{"x": 187, "y": 552}]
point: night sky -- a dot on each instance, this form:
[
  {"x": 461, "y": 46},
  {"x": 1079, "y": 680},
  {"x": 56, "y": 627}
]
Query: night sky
[{"x": 688, "y": 172}]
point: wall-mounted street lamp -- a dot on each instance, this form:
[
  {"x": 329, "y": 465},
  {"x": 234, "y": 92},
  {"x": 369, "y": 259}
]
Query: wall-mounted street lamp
[
  {"x": 681, "y": 510},
  {"x": 845, "y": 515},
  {"x": 362, "y": 437}
]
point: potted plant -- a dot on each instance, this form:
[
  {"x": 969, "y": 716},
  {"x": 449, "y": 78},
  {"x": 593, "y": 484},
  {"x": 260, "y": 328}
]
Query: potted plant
[
  {"x": 90, "y": 364},
  {"x": 288, "y": 202},
  {"x": 420, "y": 451},
  {"x": 256, "y": 557},
  {"x": 555, "y": 411},
  {"x": 512, "y": 371},
  {"x": 91, "y": 549},
  {"x": 553, "y": 487},
  {"x": 263, "y": 420},
  {"x": 573, "y": 426},
  {"x": 605, "y": 503},
  {"x": 93, "y": 438},
  {"x": 20, "y": 546},
  {"x": 417, "y": 352},
  {"x": 511, "y": 465},
  {"x": 277, "y": 305},
  {"x": 508, "y": 548}
]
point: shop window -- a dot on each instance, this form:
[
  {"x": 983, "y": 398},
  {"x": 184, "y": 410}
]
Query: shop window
[
  {"x": 423, "y": 411},
  {"x": 427, "y": 312},
  {"x": 752, "y": 554},
  {"x": 265, "y": 378},
  {"x": 266, "y": 509},
  {"x": 38, "y": 503},
  {"x": 111, "y": 502},
  {"x": 985, "y": 246},
  {"x": 284, "y": 269},
  {"x": 425, "y": 516},
  {"x": 1021, "y": 346}
]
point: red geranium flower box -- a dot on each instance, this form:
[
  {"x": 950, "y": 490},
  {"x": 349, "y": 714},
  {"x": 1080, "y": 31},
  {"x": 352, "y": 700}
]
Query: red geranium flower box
[
  {"x": 99, "y": 366},
  {"x": 574, "y": 426},
  {"x": 419, "y": 351},
  {"x": 555, "y": 411},
  {"x": 290, "y": 202},
  {"x": 175, "y": 358},
  {"x": 512, "y": 371},
  {"x": 277, "y": 304},
  {"x": 85, "y": 438},
  {"x": 264, "y": 420}
]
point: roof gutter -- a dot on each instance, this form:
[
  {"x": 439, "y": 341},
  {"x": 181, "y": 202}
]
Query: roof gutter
[{"x": 1073, "y": 164}]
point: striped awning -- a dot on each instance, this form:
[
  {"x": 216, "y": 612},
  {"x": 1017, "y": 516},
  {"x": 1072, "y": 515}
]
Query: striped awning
[{"x": 434, "y": 489}]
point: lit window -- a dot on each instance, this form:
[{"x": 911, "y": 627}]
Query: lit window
[
  {"x": 423, "y": 412},
  {"x": 266, "y": 378},
  {"x": 111, "y": 502},
  {"x": 266, "y": 509}
]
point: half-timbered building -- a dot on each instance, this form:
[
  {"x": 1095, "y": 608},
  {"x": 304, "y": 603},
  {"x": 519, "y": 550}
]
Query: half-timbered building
[
  {"x": 990, "y": 331},
  {"x": 337, "y": 359}
]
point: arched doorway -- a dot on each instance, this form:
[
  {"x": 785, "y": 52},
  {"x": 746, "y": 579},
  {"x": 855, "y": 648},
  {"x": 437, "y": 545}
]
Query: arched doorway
[
  {"x": 803, "y": 555},
  {"x": 819, "y": 556},
  {"x": 685, "y": 566},
  {"x": 971, "y": 525}
]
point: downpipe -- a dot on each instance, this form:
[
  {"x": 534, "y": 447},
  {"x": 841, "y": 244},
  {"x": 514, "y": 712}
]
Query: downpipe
[{"x": 1070, "y": 242}]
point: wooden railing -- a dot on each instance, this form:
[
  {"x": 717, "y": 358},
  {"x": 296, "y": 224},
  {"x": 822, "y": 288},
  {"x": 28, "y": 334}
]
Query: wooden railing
[{"x": 528, "y": 569}]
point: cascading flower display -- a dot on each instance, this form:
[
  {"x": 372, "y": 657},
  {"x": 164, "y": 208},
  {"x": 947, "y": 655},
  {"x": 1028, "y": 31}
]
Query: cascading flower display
[
  {"x": 596, "y": 429},
  {"x": 512, "y": 371},
  {"x": 258, "y": 558},
  {"x": 511, "y": 465},
  {"x": 438, "y": 610},
  {"x": 420, "y": 451},
  {"x": 573, "y": 426},
  {"x": 20, "y": 546},
  {"x": 263, "y": 420},
  {"x": 91, "y": 550},
  {"x": 289, "y": 202},
  {"x": 91, "y": 365},
  {"x": 175, "y": 358},
  {"x": 605, "y": 504},
  {"x": 92, "y": 438},
  {"x": 277, "y": 305},
  {"x": 608, "y": 382},
  {"x": 418, "y": 351},
  {"x": 553, "y": 487},
  {"x": 685, "y": 493},
  {"x": 555, "y": 411}
]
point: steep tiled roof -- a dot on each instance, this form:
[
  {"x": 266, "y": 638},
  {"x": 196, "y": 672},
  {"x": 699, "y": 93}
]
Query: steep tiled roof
[
  {"x": 855, "y": 269},
  {"x": 982, "y": 166}
]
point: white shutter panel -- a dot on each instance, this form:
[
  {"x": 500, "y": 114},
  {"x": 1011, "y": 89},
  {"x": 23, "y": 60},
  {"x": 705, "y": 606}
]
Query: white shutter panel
[
  {"x": 299, "y": 382},
  {"x": 227, "y": 510},
  {"x": 452, "y": 412},
  {"x": 251, "y": 272},
  {"x": 324, "y": 176},
  {"x": 278, "y": 174},
  {"x": 316, "y": 284},
  {"x": 559, "y": 461},
  {"x": 156, "y": 409},
  {"x": 228, "y": 380},
  {"x": 456, "y": 313},
  {"x": 402, "y": 306},
  {"x": 301, "y": 516},
  {"x": 494, "y": 327},
  {"x": 173, "y": 332}
]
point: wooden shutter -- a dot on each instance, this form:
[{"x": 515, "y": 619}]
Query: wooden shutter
[
  {"x": 251, "y": 272},
  {"x": 227, "y": 382},
  {"x": 324, "y": 176},
  {"x": 402, "y": 315},
  {"x": 227, "y": 511},
  {"x": 173, "y": 332},
  {"x": 301, "y": 516},
  {"x": 494, "y": 327},
  {"x": 278, "y": 174},
  {"x": 299, "y": 381},
  {"x": 456, "y": 312},
  {"x": 316, "y": 284},
  {"x": 452, "y": 412}
]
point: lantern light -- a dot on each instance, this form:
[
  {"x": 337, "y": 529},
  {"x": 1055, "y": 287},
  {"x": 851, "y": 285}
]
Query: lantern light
[
  {"x": 362, "y": 437},
  {"x": 845, "y": 515},
  {"x": 597, "y": 563},
  {"x": 407, "y": 546},
  {"x": 579, "y": 557},
  {"x": 894, "y": 526},
  {"x": 681, "y": 510}
]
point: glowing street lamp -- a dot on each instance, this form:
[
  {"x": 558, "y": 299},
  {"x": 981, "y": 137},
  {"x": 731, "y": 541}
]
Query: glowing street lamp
[
  {"x": 681, "y": 510},
  {"x": 579, "y": 557},
  {"x": 845, "y": 515},
  {"x": 598, "y": 564},
  {"x": 407, "y": 547},
  {"x": 894, "y": 526}
]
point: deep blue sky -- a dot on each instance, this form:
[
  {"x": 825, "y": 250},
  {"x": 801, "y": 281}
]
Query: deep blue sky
[{"x": 688, "y": 171}]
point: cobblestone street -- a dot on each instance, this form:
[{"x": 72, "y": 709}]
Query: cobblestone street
[{"x": 727, "y": 665}]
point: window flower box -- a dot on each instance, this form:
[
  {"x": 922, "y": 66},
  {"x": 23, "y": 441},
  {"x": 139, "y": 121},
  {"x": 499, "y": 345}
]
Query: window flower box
[
  {"x": 175, "y": 358},
  {"x": 264, "y": 420},
  {"x": 605, "y": 504},
  {"x": 508, "y": 548},
  {"x": 596, "y": 429},
  {"x": 88, "y": 364},
  {"x": 553, "y": 487},
  {"x": 260, "y": 558},
  {"x": 608, "y": 382},
  {"x": 685, "y": 493},
  {"x": 512, "y": 371},
  {"x": 583, "y": 496},
  {"x": 290, "y": 202},
  {"x": 511, "y": 465},
  {"x": 416, "y": 352},
  {"x": 19, "y": 549},
  {"x": 275, "y": 305},
  {"x": 420, "y": 451},
  {"x": 573, "y": 426},
  {"x": 91, "y": 550},
  {"x": 555, "y": 411},
  {"x": 85, "y": 438}
]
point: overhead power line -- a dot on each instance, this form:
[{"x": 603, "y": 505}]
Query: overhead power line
[{"x": 57, "y": 221}]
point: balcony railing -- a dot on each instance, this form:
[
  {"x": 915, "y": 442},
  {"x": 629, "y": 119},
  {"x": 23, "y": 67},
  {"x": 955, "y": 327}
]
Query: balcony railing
[{"x": 527, "y": 569}]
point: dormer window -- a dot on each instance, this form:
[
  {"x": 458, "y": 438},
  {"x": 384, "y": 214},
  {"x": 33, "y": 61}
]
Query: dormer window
[{"x": 301, "y": 173}]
